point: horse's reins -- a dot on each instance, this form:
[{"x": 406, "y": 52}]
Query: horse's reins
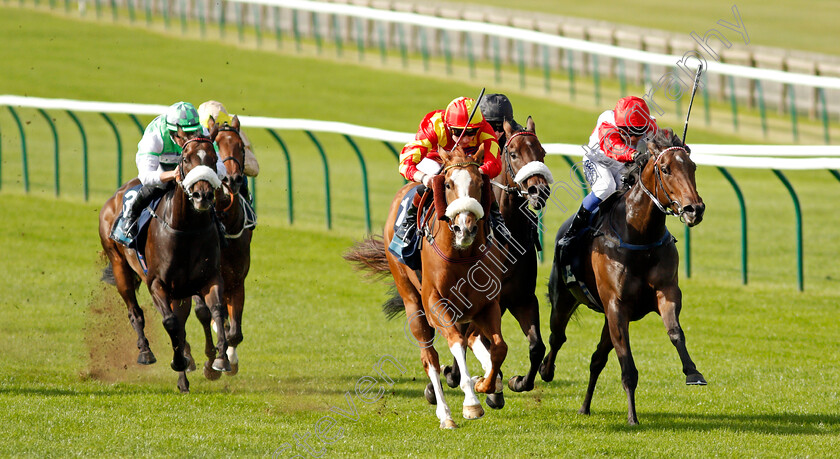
[
  {"x": 517, "y": 189},
  {"x": 666, "y": 209}
]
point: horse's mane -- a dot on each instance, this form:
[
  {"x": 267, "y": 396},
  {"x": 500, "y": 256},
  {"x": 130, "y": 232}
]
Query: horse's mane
[{"x": 666, "y": 137}]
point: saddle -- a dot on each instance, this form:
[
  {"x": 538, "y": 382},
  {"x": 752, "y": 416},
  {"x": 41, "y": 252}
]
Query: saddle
[{"x": 139, "y": 242}]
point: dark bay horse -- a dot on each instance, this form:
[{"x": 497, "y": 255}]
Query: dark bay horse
[
  {"x": 236, "y": 253},
  {"x": 525, "y": 180},
  {"x": 630, "y": 266},
  {"x": 459, "y": 281},
  {"x": 181, "y": 254}
]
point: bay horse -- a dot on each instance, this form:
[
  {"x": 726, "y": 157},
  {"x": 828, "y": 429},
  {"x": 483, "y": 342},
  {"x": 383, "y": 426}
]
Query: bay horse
[
  {"x": 630, "y": 266},
  {"x": 525, "y": 181},
  {"x": 181, "y": 255},
  {"x": 458, "y": 282},
  {"x": 236, "y": 252}
]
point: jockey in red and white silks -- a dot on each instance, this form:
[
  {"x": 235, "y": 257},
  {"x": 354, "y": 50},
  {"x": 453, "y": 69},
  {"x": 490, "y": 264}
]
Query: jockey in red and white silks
[{"x": 613, "y": 142}]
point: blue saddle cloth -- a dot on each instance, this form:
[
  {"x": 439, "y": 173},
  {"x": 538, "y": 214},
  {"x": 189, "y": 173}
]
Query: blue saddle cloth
[
  {"x": 139, "y": 242},
  {"x": 408, "y": 251}
]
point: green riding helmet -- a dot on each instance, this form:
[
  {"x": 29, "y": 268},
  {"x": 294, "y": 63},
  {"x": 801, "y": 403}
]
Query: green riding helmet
[{"x": 183, "y": 115}]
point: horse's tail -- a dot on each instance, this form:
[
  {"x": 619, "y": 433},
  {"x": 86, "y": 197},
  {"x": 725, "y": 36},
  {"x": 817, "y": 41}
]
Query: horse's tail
[
  {"x": 369, "y": 255},
  {"x": 108, "y": 275},
  {"x": 394, "y": 304}
]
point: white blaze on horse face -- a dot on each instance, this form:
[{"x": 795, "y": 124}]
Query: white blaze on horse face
[
  {"x": 202, "y": 155},
  {"x": 464, "y": 204}
]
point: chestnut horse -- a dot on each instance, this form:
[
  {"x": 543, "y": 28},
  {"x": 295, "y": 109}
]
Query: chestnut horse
[
  {"x": 181, "y": 254},
  {"x": 630, "y": 266},
  {"x": 455, "y": 285},
  {"x": 236, "y": 252},
  {"x": 525, "y": 180}
]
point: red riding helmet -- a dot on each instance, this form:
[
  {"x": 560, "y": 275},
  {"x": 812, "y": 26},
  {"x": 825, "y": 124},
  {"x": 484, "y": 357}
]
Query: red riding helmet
[
  {"x": 632, "y": 114},
  {"x": 457, "y": 112}
]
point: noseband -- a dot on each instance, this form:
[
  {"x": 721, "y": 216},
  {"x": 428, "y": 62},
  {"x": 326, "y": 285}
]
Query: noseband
[
  {"x": 666, "y": 209},
  {"x": 181, "y": 175},
  {"x": 516, "y": 190}
]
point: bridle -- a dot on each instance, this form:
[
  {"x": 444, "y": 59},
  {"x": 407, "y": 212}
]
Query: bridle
[
  {"x": 667, "y": 208},
  {"x": 233, "y": 193},
  {"x": 517, "y": 189},
  {"x": 181, "y": 175}
]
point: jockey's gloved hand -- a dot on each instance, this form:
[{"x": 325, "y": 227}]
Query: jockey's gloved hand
[{"x": 424, "y": 178}]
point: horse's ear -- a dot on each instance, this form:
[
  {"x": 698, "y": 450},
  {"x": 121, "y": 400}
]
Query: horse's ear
[
  {"x": 234, "y": 123},
  {"x": 444, "y": 155},
  {"x": 213, "y": 128},
  {"x": 508, "y": 128},
  {"x": 478, "y": 156},
  {"x": 529, "y": 125}
]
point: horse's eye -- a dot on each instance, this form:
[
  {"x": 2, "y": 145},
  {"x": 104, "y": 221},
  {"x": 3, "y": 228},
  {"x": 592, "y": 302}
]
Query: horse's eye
[
  {"x": 665, "y": 170},
  {"x": 512, "y": 155},
  {"x": 448, "y": 185}
]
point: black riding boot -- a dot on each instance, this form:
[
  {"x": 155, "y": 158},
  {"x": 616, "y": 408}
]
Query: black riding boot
[
  {"x": 580, "y": 222},
  {"x": 126, "y": 229},
  {"x": 409, "y": 225},
  {"x": 497, "y": 222}
]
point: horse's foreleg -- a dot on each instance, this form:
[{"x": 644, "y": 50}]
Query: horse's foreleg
[
  {"x": 489, "y": 324},
  {"x": 424, "y": 334},
  {"x": 599, "y": 360},
  {"x": 563, "y": 305},
  {"x": 213, "y": 298},
  {"x": 480, "y": 347},
  {"x": 453, "y": 373},
  {"x": 181, "y": 308},
  {"x": 619, "y": 333},
  {"x": 457, "y": 345},
  {"x": 173, "y": 326},
  {"x": 528, "y": 317},
  {"x": 235, "y": 300},
  {"x": 126, "y": 286},
  {"x": 669, "y": 303},
  {"x": 204, "y": 316}
]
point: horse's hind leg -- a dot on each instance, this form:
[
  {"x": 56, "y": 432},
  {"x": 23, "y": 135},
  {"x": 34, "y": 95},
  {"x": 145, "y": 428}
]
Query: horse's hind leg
[
  {"x": 235, "y": 299},
  {"x": 528, "y": 317},
  {"x": 424, "y": 334},
  {"x": 599, "y": 360},
  {"x": 480, "y": 347},
  {"x": 453, "y": 373},
  {"x": 563, "y": 305},
  {"x": 213, "y": 298},
  {"x": 173, "y": 325},
  {"x": 126, "y": 286},
  {"x": 670, "y": 303},
  {"x": 182, "y": 312},
  {"x": 204, "y": 316}
]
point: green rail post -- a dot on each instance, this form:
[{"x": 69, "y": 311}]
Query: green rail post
[
  {"x": 256, "y": 10},
  {"x": 183, "y": 7},
  {"x": 288, "y": 175},
  {"x": 520, "y": 50},
  {"x": 571, "y": 66},
  {"x": 497, "y": 59},
  {"x": 392, "y": 149},
  {"x": 470, "y": 54},
  {"x": 835, "y": 174},
  {"x": 148, "y": 8},
  {"x": 222, "y": 19},
  {"x": 56, "y": 163},
  {"x": 326, "y": 176},
  {"x": 131, "y": 14},
  {"x": 164, "y": 6},
  {"x": 137, "y": 123},
  {"x": 424, "y": 48},
  {"x": 743, "y": 208},
  {"x": 403, "y": 45},
  {"x": 678, "y": 106},
  {"x": 734, "y": 103},
  {"x": 622, "y": 78},
  {"x": 821, "y": 94},
  {"x": 119, "y": 148},
  {"x": 98, "y": 8},
  {"x": 706, "y": 99},
  {"x": 596, "y": 77},
  {"x": 761, "y": 108},
  {"x": 66, "y": 6},
  {"x": 114, "y": 10},
  {"x": 296, "y": 29},
  {"x": 360, "y": 39},
  {"x": 447, "y": 52},
  {"x": 364, "y": 180},
  {"x": 202, "y": 27},
  {"x": 793, "y": 122},
  {"x": 316, "y": 32},
  {"x": 24, "y": 160},
  {"x": 336, "y": 26},
  {"x": 240, "y": 21},
  {"x": 546, "y": 69},
  {"x": 798, "y": 211},
  {"x": 380, "y": 30},
  {"x": 84, "y": 153},
  {"x": 278, "y": 31},
  {"x": 687, "y": 252}
]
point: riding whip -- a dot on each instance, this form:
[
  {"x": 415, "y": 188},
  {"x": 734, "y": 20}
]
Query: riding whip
[
  {"x": 477, "y": 101},
  {"x": 690, "y": 102}
]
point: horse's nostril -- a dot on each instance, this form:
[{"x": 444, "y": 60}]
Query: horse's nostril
[
  {"x": 456, "y": 229},
  {"x": 533, "y": 190},
  {"x": 196, "y": 195}
]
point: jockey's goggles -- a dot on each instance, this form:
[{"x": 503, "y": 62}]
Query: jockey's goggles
[{"x": 467, "y": 132}]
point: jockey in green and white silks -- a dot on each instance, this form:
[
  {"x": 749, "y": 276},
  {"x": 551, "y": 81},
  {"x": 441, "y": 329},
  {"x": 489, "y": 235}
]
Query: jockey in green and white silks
[{"x": 158, "y": 155}]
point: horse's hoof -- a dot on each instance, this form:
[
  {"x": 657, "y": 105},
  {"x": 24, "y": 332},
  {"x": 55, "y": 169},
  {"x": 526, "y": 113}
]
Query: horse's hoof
[
  {"x": 179, "y": 365},
  {"x": 448, "y": 424},
  {"x": 210, "y": 373},
  {"x": 453, "y": 378},
  {"x": 221, "y": 364},
  {"x": 695, "y": 380},
  {"x": 184, "y": 387},
  {"x": 473, "y": 411},
  {"x": 429, "y": 392},
  {"x": 234, "y": 369},
  {"x": 546, "y": 371},
  {"x": 496, "y": 401},
  {"x": 146, "y": 358},
  {"x": 583, "y": 411},
  {"x": 517, "y": 384}
]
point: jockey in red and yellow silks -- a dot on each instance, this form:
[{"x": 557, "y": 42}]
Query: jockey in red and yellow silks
[{"x": 441, "y": 128}]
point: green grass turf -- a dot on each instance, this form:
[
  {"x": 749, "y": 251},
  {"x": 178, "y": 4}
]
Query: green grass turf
[{"x": 70, "y": 384}]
